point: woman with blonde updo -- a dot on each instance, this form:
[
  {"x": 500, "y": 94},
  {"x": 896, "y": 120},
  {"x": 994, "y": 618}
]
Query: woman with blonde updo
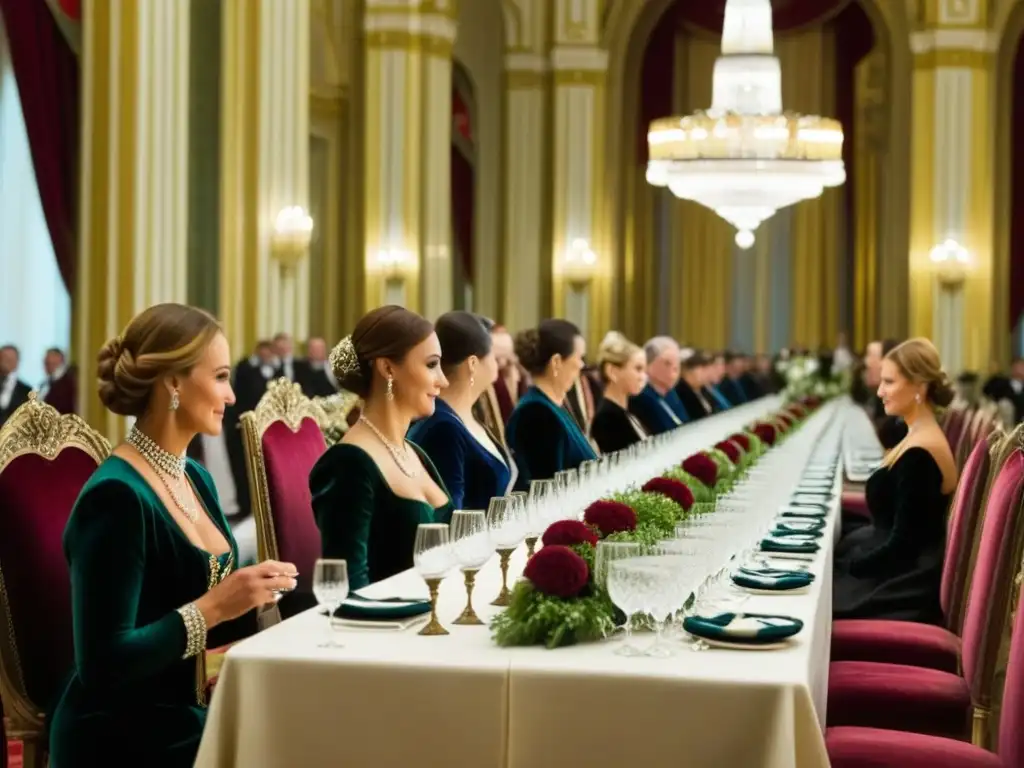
[
  {"x": 892, "y": 568},
  {"x": 542, "y": 434},
  {"x": 153, "y": 564},
  {"x": 623, "y": 369}
]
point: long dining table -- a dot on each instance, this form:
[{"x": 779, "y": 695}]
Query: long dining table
[{"x": 391, "y": 699}]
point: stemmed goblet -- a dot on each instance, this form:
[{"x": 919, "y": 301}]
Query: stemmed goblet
[
  {"x": 432, "y": 558},
  {"x": 472, "y": 545},
  {"x": 505, "y": 520},
  {"x": 330, "y": 588},
  {"x": 530, "y": 519}
]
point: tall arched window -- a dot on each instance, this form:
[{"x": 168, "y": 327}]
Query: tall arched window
[{"x": 35, "y": 308}]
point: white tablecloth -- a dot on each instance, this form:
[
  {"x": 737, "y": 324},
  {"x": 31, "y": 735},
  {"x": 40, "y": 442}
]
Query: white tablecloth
[{"x": 395, "y": 699}]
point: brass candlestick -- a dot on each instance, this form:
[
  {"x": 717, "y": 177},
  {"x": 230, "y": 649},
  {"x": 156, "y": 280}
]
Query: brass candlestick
[
  {"x": 504, "y": 597},
  {"x": 434, "y": 626},
  {"x": 468, "y": 618},
  {"x": 531, "y": 542}
]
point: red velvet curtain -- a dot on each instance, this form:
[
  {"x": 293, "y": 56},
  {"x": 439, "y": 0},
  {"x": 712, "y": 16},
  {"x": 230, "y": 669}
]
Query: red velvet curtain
[
  {"x": 1017, "y": 194},
  {"x": 463, "y": 183},
  {"x": 47, "y": 74}
]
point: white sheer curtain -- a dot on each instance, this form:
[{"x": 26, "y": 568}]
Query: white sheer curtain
[{"x": 35, "y": 308}]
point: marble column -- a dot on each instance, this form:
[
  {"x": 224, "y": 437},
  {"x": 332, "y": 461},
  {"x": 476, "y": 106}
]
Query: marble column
[
  {"x": 134, "y": 176},
  {"x": 580, "y": 67},
  {"x": 264, "y": 165},
  {"x": 952, "y": 179},
  {"x": 408, "y": 221}
]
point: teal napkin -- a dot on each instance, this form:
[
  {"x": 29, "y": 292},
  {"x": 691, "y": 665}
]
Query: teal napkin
[
  {"x": 775, "y": 572},
  {"x": 383, "y": 609},
  {"x": 788, "y": 544},
  {"x": 783, "y": 582},
  {"x": 747, "y": 628},
  {"x": 783, "y": 531}
]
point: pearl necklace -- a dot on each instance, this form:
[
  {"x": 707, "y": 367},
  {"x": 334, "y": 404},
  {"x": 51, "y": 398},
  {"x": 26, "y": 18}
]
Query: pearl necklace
[
  {"x": 169, "y": 468},
  {"x": 400, "y": 456}
]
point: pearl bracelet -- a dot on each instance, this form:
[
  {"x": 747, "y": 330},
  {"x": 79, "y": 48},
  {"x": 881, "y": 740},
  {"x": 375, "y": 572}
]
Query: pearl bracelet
[{"x": 195, "y": 630}]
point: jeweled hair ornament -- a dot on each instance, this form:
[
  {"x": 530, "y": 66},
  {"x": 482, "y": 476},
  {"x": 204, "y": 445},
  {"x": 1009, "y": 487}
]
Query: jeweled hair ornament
[{"x": 343, "y": 358}]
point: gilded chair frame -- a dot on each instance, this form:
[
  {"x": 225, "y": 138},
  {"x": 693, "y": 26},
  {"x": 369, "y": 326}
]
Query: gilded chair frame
[
  {"x": 283, "y": 402},
  {"x": 38, "y": 429}
]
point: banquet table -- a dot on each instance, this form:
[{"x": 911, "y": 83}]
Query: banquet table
[{"x": 393, "y": 698}]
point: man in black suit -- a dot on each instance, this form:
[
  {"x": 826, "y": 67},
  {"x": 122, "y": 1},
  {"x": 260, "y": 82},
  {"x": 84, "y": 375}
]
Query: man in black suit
[
  {"x": 252, "y": 375},
  {"x": 314, "y": 374},
  {"x": 691, "y": 383},
  {"x": 59, "y": 389},
  {"x": 13, "y": 391},
  {"x": 284, "y": 356}
]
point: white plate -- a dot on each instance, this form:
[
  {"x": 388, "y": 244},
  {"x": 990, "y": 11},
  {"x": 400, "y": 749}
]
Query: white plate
[{"x": 743, "y": 646}]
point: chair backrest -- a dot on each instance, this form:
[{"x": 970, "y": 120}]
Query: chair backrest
[
  {"x": 282, "y": 443},
  {"x": 45, "y": 460},
  {"x": 1011, "y": 736},
  {"x": 1000, "y": 545},
  {"x": 963, "y": 525},
  {"x": 336, "y": 409},
  {"x": 954, "y": 426}
]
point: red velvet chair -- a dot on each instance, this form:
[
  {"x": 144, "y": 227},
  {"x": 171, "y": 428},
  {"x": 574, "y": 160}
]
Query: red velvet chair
[
  {"x": 45, "y": 459},
  {"x": 283, "y": 440},
  {"x": 921, "y": 700},
  {"x": 853, "y": 747},
  {"x": 925, "y": 645},
  {"x": 954, "y": 426}
]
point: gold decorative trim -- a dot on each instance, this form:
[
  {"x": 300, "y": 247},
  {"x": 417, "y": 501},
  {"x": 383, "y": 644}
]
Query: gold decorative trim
[
  {"x": 958, "y": 58},
  {"x": 525, "y": 80},
  {"x": 336, "y": 410},
  {"x": 402, "y": 40},
  {"x": 34, "y": 428},
  {"x": 593, "y": 78},
  {"x": 285, "y": 403}
]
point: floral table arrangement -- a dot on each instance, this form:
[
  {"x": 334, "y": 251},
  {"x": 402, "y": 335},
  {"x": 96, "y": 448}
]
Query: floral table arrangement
[{"x": 558, "y": 602}]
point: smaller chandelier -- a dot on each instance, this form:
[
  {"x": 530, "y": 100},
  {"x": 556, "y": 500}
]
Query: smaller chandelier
[{"x": 744, "y": 158}]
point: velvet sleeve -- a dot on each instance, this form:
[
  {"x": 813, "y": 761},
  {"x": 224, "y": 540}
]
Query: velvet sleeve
[
  {"x": 539, "y": 443},
  {"x": 105, "y": 543},
  {"x": 918, "y": 485},
  {"x": 445, "y": 444},
  {"x": 644, "y": 410},
  {"x": 344, "y": 491}
]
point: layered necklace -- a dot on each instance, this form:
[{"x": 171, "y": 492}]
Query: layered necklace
[
  {"x": 169, "y": 468},
  {"x": 400, "y": 455}
]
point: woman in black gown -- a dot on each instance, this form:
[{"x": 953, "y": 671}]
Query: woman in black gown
[
  {"x": 622, "y": 365},
  {"x": 891, "y": 568}
]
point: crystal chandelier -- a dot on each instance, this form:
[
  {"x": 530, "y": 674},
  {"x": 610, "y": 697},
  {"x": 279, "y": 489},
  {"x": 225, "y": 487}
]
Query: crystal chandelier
[{"x": 744, "y": 158}]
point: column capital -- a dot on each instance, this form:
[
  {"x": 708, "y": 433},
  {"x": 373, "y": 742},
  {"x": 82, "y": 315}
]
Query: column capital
[
  {"x": 969, "y": 48},
  {"x": 579, "y": 65},
  {"x": 953, "y": 14},
  {"x": 428, "y": 25}
]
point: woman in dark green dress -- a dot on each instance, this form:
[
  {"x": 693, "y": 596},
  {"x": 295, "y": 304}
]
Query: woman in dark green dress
[
  {"x": 543, "y": 436},
  {"x": 373, "y": 489},
  {"x": 153, "y": 564}
]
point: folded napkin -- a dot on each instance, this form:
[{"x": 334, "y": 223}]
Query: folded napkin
[
  {"x": 789, "y": 544},
  {"x": 748, "y": 628},
  {"x": 782, "y": 531},
  {"x": 791, "y": 525},
  {"x": 775, "y": 573},
  {"x": 800, "y": 511},
  {"x": 783, "y": 582},
  {"x": 382, "y": 609}
]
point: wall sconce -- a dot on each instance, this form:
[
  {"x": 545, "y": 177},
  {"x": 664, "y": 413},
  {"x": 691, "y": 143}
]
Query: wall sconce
[
  {"x": 951, "y": 262},
  {"x": 293, "y": 230},
  {"x": 578, "y": 266},
  {"x": 394, "y": 266}
]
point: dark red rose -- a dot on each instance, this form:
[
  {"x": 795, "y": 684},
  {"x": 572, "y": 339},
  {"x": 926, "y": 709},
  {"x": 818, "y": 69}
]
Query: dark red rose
[
  {"x": 673, "y": 489},
  {"x": 610, "y": 517},
  {"x": 797, "y": 410},
  {"x": 557, "y": 571},
  {"x": 730, "y": 449},
  {"x": 766, "y": 433},
  {"x": 741, "y": 440},
  {"x": 703, "y": 468},
  {"x": 568, "y": 533},
  {"x": 811, "y": 401}
]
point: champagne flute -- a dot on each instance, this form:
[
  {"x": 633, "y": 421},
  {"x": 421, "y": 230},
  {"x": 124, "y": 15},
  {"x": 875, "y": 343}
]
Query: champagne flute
[
  {"x": 542, "y": 496},
  {"x": 330, "y": 588},
  {"x": 530, "y": 518},
  {"x": 507, "y": 531},
  {"x": 432, "y": 558},
  {"x": 472, "y": 545}
]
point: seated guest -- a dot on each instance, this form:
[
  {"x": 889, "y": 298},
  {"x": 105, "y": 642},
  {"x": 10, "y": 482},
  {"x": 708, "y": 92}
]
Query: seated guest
[
  {"x": 733, "y": 386},
  {"x": 314, "y": 374},
  {"x": 543, "y": 437},
  {"x": 471, "y": 461},
  {"x": 713, "y": 380},
  {"x": 579, "y": 400},
  {"x": 890, "y": 429},
  {"x": 891, "y": 568},
  {"x": 154, "y": 576},
  {"x": 373, "y": 489},
  {"x": 13, "y": 391},
  {"x": 658, "y": 406},
  {"x": 623, "y": 369},
  {"x": 59, "y": 389},
  {"x": 689, "y": 388},
  {"x": 511, "y": 383}
]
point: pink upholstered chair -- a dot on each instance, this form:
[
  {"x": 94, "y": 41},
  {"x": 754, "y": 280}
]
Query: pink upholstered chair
[
  {"x": 925, "y": 645},
  {"x": 954, "y": 426},
  {"x": 858, "y": 747},
  {"x": 45, "y": 460},
  {"x": 921, "y": 700},
  {"x": 283, "y": 441}
]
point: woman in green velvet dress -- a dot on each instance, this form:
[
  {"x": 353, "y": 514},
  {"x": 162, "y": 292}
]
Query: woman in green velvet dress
[
  {"x": 373, "y": 489},
  {"x": 152, "y": 560}
]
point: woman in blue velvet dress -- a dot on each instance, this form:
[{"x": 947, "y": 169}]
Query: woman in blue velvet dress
[
  {"x": 543, "y": 436},
  {"x": 152, "y": 560},
  {"x": 471, "y": 461}
]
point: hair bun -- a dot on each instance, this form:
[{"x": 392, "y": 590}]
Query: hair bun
[
  {"x": 121, "y": 387},
  {"x": 347, "y": 367},
  {"x": 527, "y": 348},
  {"x": 941, "y": 391}
]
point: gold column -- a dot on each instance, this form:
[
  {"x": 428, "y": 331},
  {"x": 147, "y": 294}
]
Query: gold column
[
  {"x": 264, "y": 165},
  {"x": 408, "y": 78},
  {"x": 952, "y": 179},
  {"x": 580, "y": 67},
  {"x": 134, "y": 202}
]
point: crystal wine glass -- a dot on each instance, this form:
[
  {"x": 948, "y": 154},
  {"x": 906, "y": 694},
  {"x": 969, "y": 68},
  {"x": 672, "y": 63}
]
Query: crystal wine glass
[
  {"x": 432, "y": 558},
  {"x": 507, "y": 526},
  {"x": 330, "y": 588},
  {"x": 471, "y": 543}
]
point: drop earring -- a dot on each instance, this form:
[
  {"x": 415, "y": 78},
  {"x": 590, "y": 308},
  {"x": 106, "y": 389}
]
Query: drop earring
[
  {"x": 472, "y": 381},
  {"x": 391, "y": 389},
  {"x": 917, "y": 399},
  {"x": 175, "y": 401}
]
